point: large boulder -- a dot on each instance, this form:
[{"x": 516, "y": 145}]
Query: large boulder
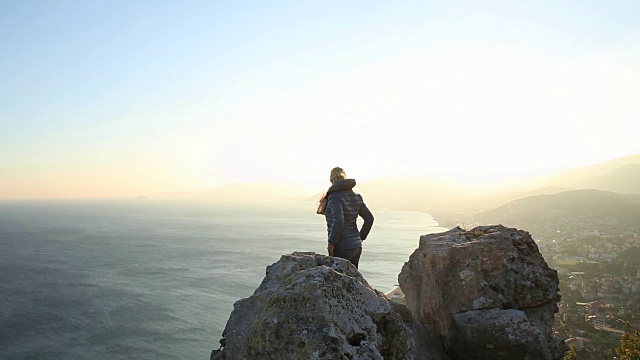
[
  {"x": 311, "y": 306},
  {"x": 488, "y": 292}
]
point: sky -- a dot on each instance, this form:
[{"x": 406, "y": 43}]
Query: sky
[{"x": 126, "y": 98}]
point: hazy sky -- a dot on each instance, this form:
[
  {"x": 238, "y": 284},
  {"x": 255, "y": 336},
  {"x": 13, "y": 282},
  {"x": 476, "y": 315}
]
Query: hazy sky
[{"x": 101, "y": 98}]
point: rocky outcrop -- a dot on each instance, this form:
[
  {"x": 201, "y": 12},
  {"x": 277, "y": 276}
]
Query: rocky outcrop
[
  {"x": 488, "y": 292},
  {"x": 311, "y": 306}
]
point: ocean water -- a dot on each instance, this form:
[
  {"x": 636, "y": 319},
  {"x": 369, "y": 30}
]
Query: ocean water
[{"x": 151, "y": 279}]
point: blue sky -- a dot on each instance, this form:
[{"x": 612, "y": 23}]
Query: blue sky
[{"x": 108, "y": 98}]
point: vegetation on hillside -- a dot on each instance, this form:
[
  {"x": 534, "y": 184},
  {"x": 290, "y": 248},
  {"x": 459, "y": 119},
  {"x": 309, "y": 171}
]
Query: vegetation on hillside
[{"x": 629, "y": 348}]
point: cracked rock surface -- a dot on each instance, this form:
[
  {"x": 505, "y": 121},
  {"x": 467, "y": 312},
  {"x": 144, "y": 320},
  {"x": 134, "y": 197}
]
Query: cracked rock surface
[
  {"x": 488, "y": 292},
  {"x": 312, "y": 306}
]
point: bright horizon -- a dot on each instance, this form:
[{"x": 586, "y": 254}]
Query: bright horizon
[{"x": 113, "y": 99}]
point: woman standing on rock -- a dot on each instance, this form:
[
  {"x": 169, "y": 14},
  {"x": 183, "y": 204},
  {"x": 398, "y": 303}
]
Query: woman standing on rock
[{"x": 343, "y": 208}]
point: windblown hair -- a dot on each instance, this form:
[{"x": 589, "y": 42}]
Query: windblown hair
[{"x": 337, "y": 173}]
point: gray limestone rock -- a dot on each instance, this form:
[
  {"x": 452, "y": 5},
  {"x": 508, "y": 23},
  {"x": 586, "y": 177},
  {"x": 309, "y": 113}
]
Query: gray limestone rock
[
  {"x": 311, "y": 306},
  {"x": 487, "y": 291}
]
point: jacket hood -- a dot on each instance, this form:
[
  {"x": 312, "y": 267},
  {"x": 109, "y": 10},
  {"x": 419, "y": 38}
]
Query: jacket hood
[{"x": 342, "y": 185}]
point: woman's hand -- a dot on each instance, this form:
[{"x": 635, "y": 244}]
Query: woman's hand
[{"x": 330, "y": 248}]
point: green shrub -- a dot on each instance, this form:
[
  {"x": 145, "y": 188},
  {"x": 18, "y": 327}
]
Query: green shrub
[{"x": 629, "y": 348}]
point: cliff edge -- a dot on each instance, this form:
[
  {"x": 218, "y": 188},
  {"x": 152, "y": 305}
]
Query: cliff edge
[
  {"x": 478, "y": 294},
  {"x": 312, "y": 306}
]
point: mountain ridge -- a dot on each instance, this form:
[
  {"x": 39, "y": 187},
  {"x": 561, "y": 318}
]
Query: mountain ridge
[
  {"x": 535, "y": 211},
  {"x": 433, "y": 194}
]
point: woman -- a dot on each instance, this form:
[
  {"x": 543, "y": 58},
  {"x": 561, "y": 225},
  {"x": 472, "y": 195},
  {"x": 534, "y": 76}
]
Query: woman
[{"x": 343, "y": 208}]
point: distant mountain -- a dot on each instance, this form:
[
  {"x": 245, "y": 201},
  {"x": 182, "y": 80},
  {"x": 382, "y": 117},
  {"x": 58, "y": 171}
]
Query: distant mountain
[
  {"x": 549, "y": 190},
  {"x": 241, "y": 191},
  {"x": 620, "y": 175},
  {"x": 623, "y": 180},
  {"x": 496, "y": 200},
  {"x": 574, "y": 206},
  {"x": 438, "y": 195},
  {"x": 577, "y": 175}
]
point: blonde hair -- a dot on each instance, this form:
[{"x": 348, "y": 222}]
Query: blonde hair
[{"x": 337, "y": 173}]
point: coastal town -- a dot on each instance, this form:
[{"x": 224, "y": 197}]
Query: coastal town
[{"x": 599, "y": 269}]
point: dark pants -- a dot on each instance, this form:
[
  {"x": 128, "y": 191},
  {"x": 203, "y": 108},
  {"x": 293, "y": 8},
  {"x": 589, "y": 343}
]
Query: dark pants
[{"x": 352, "y": 255}]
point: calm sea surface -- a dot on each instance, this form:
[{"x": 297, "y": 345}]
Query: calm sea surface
[{"x": 151, "y": 279}]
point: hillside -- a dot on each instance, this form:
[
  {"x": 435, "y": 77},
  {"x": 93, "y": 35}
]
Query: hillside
[
  {"x": 623, "y": 180},
  {"x": 620, "y": 175},
  {"x": 493, "y": 201},
  {"x": 590, "y": 206},
  {"x": 630, "y": 255},
  {"x": 574, "y": 176}
]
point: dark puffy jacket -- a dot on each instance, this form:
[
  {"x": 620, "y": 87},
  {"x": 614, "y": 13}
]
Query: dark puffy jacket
[{"x": 343, "y": 208}]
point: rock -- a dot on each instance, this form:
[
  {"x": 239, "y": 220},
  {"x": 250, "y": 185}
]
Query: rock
[
  {"x": 311, "y": 306},
  {"x": 487, "y": 291}
]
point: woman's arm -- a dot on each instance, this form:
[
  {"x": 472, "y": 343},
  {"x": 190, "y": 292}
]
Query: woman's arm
[{"x": 368, "y": 221}]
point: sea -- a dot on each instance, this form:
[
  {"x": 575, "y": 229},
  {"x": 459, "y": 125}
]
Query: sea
[{"x": 157, "y": 279}]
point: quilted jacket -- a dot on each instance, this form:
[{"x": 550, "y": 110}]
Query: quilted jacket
[{"x": 343, "y": 208}]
